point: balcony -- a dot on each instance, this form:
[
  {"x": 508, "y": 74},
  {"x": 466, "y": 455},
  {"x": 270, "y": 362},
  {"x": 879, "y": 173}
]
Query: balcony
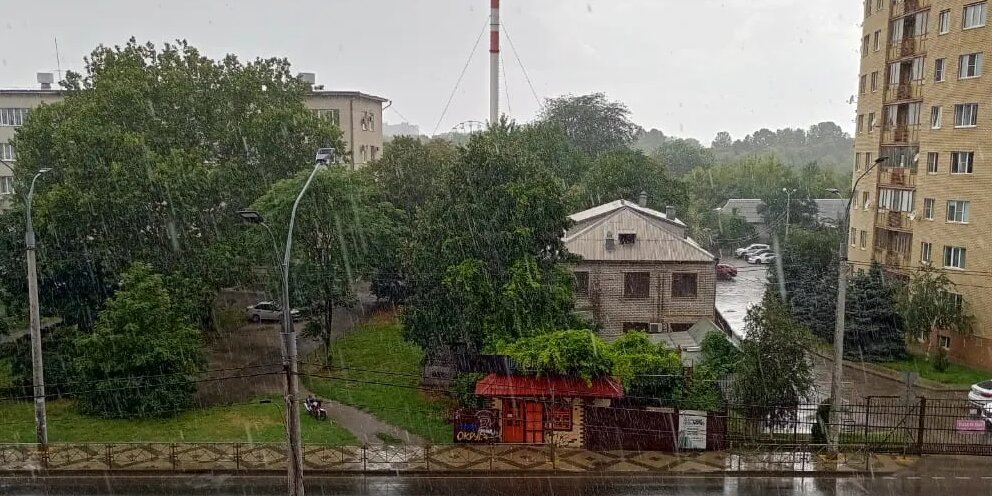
[
  {"x": 907, "y": 47},
  {"x": 899, "y": 177},
  {"x": 903, "y": 7},
  {"x": 901, "y": 135},
  {"x": 910, "y": 90},
  {"x": 894, "y": 221}
]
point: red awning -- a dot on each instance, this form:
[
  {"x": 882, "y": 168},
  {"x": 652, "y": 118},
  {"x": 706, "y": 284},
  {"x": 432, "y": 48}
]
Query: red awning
[{"x": 528, "y": 386}]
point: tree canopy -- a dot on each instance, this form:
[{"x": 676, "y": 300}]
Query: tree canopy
[{"x": 593, "y": 123}]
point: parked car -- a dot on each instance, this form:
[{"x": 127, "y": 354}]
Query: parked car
[
  {"x": 980, "y": 397},
  {"x": 325, "y": 156},
  {"x": 725, "y": 272},
  {"x": 766, "y": 257},
  {"x": 267, "y": 310},
  {"x": 742, "y": 252}
]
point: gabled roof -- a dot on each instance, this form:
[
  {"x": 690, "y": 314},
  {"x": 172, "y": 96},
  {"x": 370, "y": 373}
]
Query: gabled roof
[
  {"x": 616, "y": 205},
  {"x": 746, "y": 208},
  {"x": 830, "y": 208},
  {"x": 541, "y": 387}
]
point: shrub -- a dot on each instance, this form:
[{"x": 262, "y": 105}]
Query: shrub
[
  {"x": 940, "y": 361},
  {"x": 463, "y": 390}
]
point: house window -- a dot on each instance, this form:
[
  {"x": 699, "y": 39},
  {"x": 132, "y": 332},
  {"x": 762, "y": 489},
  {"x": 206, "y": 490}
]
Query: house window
[
  {"x": 876, "y": 40},
  {"x": 680, "y": 327},
  {"x": 561, "y": 417},
  {"x": 636, "y": 284},
  {"x": 854, "y": 235},
  {"x": 944, "y": 342},
  {"x": 871, "y": 121},
  {"x": 957, "y": 299},
  {"x": 581, "y": 283},
  {"x": 928, "y": 204},
  {"x": 974, "y": 15},
  {"x": 954, "y": 257},
  {"x": 962, "y": 162},
  {"x": 330, "y": 115},
  {"x": 878, "y": 5},
  {"x": 867, "y": 159},
  {"x": 857, "y": 161},
  {"x": 935, "y": 112},
  {"x": 933, "y": 162},
  {"x": 13, "y": 116},
  {"x": 966, "y": 115},
  {"x": 938, "y": 69},
  {"x": 864, "y": 46},
  {"x": 627, "y": 238},
  {"x": 635, "y": 327},
  {"x": 374, "y": 151},
  {"x": 958, "y": 210},
  {"x": 944, "y": 22},
  {"x": 926, "y": 252},
  {"x": 874, "y": 81},
  {"x": 684, "y": 285},
  {"x": 6, "y": 185},
  {"x": 371, "y": 122},
  {"x": 861, "y": 124},
  {"x": 864, "y": 239},
  {"x": 863, "y": 84},
  {"x": 864, "y": 198},
  {"x": 970, "y": 65},
  {"x": 7, "y": 152},
  {"x": 365, "y": 153}
]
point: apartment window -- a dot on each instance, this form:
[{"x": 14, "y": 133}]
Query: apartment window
[
  {"x": 944, "y": 342},
  {"x": 581, "y": 283},
  {"x": 371, "y": 122},
  {"x": 874, "y": 81},
  {"x": 974, "y": 15},
  {"x": 13, "y": 116},
  {"x": 857, "y": 161},
  {"x": 944, "y": 22},
  {"x": 867, "y": 159},
  {"x": 935, "y": 112},
  {"x": 627, "y": 238},
  {"x": 957, "y": 211},
  {"x": 897, "y": 200},
  {"x": 914, "y": 110},
  {"x": 876, "y": 40},
  {"x": 933, "y": 162},
  {"x": 330, "y": 115},
  {"x": 867, "y": 8},
  {"x": 684, "y": 285},
  {"x": 864, "y": 239},
  {"x": 374, "y": 151},
  {"x": 636, "y": 284},
  {"x": 854, "y": 234},
  {"x": 864, "y": 46},
  {"x": 926, "y": 252},
  {"x": 962, "y": 162},
  {"x": 871, "y": 121},
  {"x": 6, "y": 185},
  {"x": 7, "y": 152},
  {"x": 928, "y": 204},
  {"x": 865, "y": 196},
  {"x": 878, "y": 5},
  {"x": 938, "y": 69},
  {"x": 365, "y": 153},
  {"x": 863, "y": 84},
  {"x": 966, "y": 115},
  {"x": 957, "y": 299},
  {"x": 954, "y": 256},
  {"x": 861, "y": 124},
  {"x": 970, "y": 66}
]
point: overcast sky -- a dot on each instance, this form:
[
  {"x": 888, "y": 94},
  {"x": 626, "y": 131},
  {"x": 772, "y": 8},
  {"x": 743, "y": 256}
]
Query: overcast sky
[{"x": 688, "y": 67}]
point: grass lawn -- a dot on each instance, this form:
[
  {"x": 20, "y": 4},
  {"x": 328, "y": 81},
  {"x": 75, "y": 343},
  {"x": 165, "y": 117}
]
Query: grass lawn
[
  {"x": 955, "y": 374},
  {"x": 384, "y": 357},
  {"x": 237, "y": 423}
]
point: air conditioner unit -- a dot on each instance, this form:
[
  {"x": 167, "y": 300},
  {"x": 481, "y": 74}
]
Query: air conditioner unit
[{"x": 656, "y": 328}]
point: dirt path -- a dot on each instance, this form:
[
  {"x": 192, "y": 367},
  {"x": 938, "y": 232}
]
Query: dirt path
[{"x": 367, "y": 427}]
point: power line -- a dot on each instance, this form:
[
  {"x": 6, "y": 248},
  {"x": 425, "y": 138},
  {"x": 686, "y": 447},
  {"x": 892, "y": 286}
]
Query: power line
[
  {"x": 460, "y": 76},
  {"x": 521, "y": 64}
]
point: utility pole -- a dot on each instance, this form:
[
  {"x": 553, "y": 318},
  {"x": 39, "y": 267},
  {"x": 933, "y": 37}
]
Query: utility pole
[
  {"x": 34, "y": 314},
  {"x": 494, "y": 62},
  {"x": 833, "y": 430},
  {"x": 788, "y": 207}
]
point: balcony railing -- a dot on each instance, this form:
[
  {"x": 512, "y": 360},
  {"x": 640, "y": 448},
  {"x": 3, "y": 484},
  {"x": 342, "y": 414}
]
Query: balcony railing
[
  {"x": 907, "y": 47},
  {"x": 901, "y": 135},
  {"x": 903, "y": 7},
  {"x": 894, "y": 221},
  {"x": 901, "y": 177},
  {"x": 912, "y": 90},
  {"x": 892, "y": 258}
]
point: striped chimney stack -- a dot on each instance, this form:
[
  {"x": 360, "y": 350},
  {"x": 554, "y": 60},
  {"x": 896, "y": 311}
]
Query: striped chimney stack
[{"x": 494, "y": 62}]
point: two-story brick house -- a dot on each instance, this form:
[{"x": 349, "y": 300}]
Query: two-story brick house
[{"x": 639, "y": 270}]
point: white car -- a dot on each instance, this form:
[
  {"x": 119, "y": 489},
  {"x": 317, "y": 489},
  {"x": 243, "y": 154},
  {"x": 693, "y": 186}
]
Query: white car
[
  {"x": 743, "y": 252},
  {"x": 267, "y": 310},
  {"x": 766, "y": 257},
  {"x": 980, "y": 397}
]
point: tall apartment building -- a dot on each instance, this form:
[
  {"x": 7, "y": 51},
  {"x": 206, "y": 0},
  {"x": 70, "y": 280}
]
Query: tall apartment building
[
  {"x": 925, "y": 107},
  {"x": 358, "y": 115}
]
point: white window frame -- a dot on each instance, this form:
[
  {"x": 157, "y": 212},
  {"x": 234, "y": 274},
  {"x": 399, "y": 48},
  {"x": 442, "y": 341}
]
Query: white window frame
[
  {"x": 958, "y": 211},
  {"x": 7, "y": 153},
  {"x": 979, "y": 17},
  {"x": 960, "y": 114},
  {"x": 926, "y": 252},
  {"x": 940, "y": 70},
  {"x": 864, "y": 240},
  {"x": 874, "y": 81},
  {"x": 877, "y": 40},
  {"x": 936, "y": 112},
  {"x": 6, "y": 185},
  {"x": 944, "y": 342},
  {"x": 944, "y": 22},
  {"x": 968, "y": 166},
  {"x": 933, "y": 162},
  {"x": 928, "y": 207},
  {"x": 955, "y": 257},
  {"x": 872, "y": 122},
  {"x": 973, "y": 65}
]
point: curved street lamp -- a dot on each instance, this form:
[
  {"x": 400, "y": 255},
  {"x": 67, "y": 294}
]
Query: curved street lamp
[{"x": 37, "y": 367}]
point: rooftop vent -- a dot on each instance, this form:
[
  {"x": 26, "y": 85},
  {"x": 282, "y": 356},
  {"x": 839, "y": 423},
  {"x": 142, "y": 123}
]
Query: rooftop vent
[
  {"x": 45, "y": 79},
  {"x": 307, "y": 77}
]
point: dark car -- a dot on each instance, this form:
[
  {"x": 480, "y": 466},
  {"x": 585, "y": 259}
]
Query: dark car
[{"x": 726, "y": 272}]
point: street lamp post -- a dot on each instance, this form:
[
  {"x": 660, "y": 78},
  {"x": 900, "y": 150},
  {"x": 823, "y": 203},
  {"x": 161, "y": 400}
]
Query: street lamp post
[
  {"x": 34, "y": 314},
  {"x": 788, "y": 205},
  {"x": 842, "y": 268}
]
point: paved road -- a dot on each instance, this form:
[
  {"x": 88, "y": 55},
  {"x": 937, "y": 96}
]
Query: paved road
[{"x": 508, "y": 485}]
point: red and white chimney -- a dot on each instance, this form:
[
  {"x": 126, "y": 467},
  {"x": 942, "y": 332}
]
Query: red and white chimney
[{"x": 494, "y": 62}]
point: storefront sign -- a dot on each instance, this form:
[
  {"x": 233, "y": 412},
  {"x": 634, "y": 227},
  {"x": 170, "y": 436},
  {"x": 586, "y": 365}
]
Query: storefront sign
[
  {"x": 692, "y": 430},
  {"x": 476, "y": 426}
]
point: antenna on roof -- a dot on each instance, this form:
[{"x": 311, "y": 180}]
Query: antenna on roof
[{"x": 58, "y": 60}]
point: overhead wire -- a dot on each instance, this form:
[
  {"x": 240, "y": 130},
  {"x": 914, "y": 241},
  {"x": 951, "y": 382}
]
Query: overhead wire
[
  {"x": 523, "y": 69},
  {"x": 460, "y": 76}
]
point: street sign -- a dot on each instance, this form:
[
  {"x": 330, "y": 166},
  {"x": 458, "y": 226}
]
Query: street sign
[{"x": 970, "y": 425}]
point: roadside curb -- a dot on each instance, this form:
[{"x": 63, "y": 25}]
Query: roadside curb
[{"x": 879, "y": 371}]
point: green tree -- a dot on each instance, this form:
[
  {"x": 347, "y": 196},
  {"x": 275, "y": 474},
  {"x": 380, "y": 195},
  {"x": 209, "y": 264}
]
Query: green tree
[
  {"x": 344, "y": 230},
  {"x": 142, "y": 357},
  {"x": 624, "y": 174},
  {"x": 411, "y": 171},
  {"x": 809, "y": 265},
  {"x": 593, "y": 123},
  {"x": 680, "y": 156},
  {"x": 485, "y": 255},
  {"x": 874, "y": 327},
  {"x": 152, "y": 151},
  {"x": 775, "y": 373},
  {"x": 573, "y": 352},
  {"x": 928, "y": 303},
  {"x": 651, "y": 374}
]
